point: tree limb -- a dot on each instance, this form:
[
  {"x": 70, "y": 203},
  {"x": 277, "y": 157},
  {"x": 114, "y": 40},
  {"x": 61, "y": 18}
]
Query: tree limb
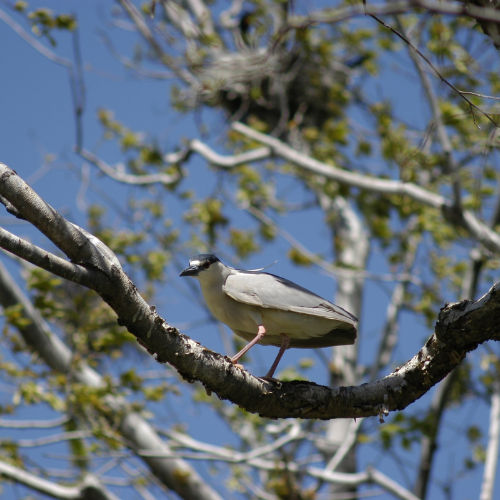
[
  {"x": 89, "y": 489},
  {"x": 461, "y": 327},
  {"x": 465, "y": 219},
  {"x": 118, "y": 174},
  {"x": 174, "y": 473}
]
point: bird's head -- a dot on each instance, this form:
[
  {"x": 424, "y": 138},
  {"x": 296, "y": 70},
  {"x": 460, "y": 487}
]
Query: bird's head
[{"x": 204, "y": 265}]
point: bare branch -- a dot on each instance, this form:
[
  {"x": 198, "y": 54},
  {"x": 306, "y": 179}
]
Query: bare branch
[
  {"x": 89, "y": 489},
  {"x": 46, "y": 440},
  {"x": 144, "y": 30},
  {"x": 118, "y": 174},
  {"x": 391, "y": 327},
  {"x": 46, "y": 260},
  {"x": 235, "y": 456},
  {"x": 34, "y": 42},
  {"x": 461, "y": 328},
  {"x": 466, "y": 219},
  {"x": 75, "y": 71},
  {"x": 253, "y": 459},
  {"x": 229, "y": 161},
  {"x": 347, "y": 444},
  {"x": 33, "y": 424}
]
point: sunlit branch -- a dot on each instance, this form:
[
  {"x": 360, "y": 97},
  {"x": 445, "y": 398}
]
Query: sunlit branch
[
  {"x": 234, "y": 456},
  {"x": 223, "y": 161},
  {"x": 90, "y": 486},
  {"x": 477, "y": 229},
  {"x": 180, "y": 19},
  {"x": 218, "y": 453},
  {"x": 229, "y": 161},
  {"x": 330, "y": 171},
  {"x": 118, "y": 174},
  {"x": 347, "y": 444},
  {"x": 33, "y": 424},
  {"x": 46, "y": 440},
  {"x": 203, "y": 15}
]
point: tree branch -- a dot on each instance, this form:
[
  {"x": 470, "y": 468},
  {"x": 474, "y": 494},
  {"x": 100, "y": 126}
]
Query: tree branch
[
  {"x": 461, "y": 328},
  {"x": 89, "y": 489},
  {"x": 46, "y": 260},
  {"x": 490, "y": 464},
  {"x": 118, "y": 174},
  {"x": 466, "y": 219},
  {"x": 173, "y": 473},
  {"x": 34, "y": 42},
  {"x": 328, "y": 474},
  {"x": 144, "y": 30}
]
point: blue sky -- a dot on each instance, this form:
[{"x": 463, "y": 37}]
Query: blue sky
[{"x": 37, "y": 137}]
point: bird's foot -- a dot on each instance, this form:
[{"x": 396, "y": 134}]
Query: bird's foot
[
  {"x": 267, "y": 378},
  {"x": 238, "y": 365}
]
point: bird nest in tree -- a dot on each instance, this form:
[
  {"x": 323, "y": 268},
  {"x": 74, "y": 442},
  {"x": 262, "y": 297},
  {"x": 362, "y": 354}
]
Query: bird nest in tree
[{"x": 271, "y": 86}]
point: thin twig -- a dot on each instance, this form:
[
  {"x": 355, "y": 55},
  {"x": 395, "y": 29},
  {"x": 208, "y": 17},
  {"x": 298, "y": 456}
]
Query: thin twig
[
  {"x": 394, "y": 8},
  {"x": 434, "y": 69}
]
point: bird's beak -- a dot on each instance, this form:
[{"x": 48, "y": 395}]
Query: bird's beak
[{"x": 190, "y": 271}]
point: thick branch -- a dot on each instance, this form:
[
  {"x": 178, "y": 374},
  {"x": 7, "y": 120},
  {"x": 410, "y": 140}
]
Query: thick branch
[{"x": 460, "y": 329}]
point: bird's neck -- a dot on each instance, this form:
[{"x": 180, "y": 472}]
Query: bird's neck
[{"x": 214, "y": 277}]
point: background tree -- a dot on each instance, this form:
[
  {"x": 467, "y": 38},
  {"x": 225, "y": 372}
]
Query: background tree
[{"x": 359, "y": 139}]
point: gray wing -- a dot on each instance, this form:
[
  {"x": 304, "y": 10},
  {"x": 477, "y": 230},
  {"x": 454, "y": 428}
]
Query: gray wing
[{"x": 273, "y": 292}]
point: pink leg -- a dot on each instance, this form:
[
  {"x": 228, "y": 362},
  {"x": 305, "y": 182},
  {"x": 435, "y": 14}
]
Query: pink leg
[
  {"x": 260, "y": 333},
  {"x": 285, "y": 342}
]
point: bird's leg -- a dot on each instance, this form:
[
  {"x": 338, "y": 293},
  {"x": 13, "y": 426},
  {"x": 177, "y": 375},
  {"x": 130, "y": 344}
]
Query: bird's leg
[
  {"x": 260, "y": 333},
  {"x": 285, "y": 342}
]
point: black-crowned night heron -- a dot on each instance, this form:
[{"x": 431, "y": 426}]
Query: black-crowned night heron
[{"x": 266, "y": 309}]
